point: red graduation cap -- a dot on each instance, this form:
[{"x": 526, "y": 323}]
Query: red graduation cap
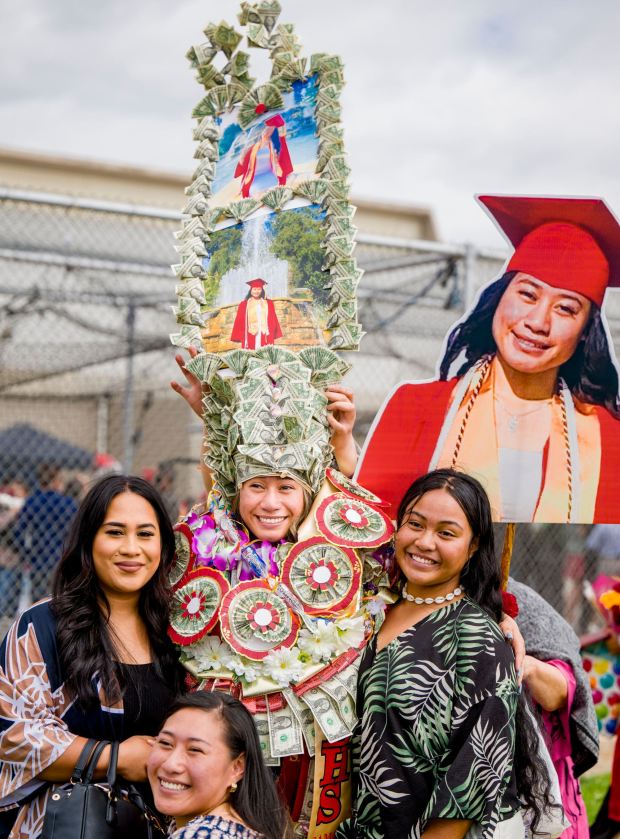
[
  {"x": 570, "y": 243},
  {"x": 257, "y": 283}
]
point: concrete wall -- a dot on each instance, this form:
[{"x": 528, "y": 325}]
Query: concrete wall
[{"x": 149, "y": 187}]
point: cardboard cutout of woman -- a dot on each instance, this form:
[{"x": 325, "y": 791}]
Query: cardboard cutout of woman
[
  {"x": 256, "y": 322},
  {"x": 277, "y": 158},
  {"x": 526, "y": 398}
]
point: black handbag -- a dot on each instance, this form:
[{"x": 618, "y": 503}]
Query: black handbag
[{"x": 87, "y": 809}]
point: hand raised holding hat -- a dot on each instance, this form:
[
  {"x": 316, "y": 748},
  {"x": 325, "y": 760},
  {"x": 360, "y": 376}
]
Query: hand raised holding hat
[
  {"x": 341, "y": 418},
  {"x": 193, "y": 394},
  {"x": 194, "y": 391}
]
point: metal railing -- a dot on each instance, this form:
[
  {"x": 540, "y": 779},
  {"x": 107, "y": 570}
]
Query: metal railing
[{"x": 85, "y": 362}]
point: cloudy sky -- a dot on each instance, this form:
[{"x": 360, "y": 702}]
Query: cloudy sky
[{"x": 445, "y": 98}]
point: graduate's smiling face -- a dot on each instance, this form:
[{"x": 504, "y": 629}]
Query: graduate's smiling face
[
  {"x": 270, "y": 505},
  {"x": 537, "y": 327},
  {"x": 256, "y": 291}
]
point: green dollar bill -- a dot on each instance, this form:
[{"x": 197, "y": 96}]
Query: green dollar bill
[
  {"x": 261, "y": 722},
  {"x": 207, "y": 129},
  {"x": 305, "y": 718},
  {"x": 327, "y": 714},
  {"x": 285, "y": 737}
]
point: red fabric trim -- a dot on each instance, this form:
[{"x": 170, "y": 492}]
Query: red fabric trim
[
  {"x": 238, "y": 330},
  {"x": 337, "y": 666},
  {"x": 614, "y": 798},
  {"x": 607, "y": 508},
  {"x": 292, "y": 782},
  {"x": 258, "y": 704},
  {"x": 284, "y": 159}
]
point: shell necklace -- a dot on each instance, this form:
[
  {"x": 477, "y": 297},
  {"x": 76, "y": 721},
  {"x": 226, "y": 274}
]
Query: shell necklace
[{"x": 442, "y": 598}]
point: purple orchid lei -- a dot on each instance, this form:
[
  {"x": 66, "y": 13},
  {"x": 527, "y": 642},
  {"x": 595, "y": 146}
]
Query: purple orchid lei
[{"x": 221, "y": 543}]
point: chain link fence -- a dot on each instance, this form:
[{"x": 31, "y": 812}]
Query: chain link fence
[{"x": 85, "y": 364}]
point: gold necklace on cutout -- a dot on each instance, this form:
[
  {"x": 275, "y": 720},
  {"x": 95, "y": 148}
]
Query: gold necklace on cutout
[{"x": 564, "y": 394}]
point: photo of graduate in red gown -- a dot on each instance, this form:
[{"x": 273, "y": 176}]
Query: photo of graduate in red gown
[
  {"x": 271, "y": 146},
  {"x": 256, "y": 323},
  {"x": 278, "y": 148}
]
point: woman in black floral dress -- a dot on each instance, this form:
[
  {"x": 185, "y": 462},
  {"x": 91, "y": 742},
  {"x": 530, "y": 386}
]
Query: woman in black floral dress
[{"x": 438, "y": 697}]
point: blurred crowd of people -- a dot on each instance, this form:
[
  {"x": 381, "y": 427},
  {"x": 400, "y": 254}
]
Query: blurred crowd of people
[{"x": 35, "y": 514}]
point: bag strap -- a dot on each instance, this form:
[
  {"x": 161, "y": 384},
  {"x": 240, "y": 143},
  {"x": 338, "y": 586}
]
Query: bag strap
[
  {"x": 82, "y": 761},
  {"x": 92, "y": 763},
  {"x": 112, "y": 763}
]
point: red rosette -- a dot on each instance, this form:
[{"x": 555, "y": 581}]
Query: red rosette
[
  {"x": 183, "y": 554},
  {"x": 254, "y": 620},
  {"x": 196, "y": 603},
  {"x": 354, "y": 490},
  {"x": 353, "y": 523},
  {"x": 325, "y": 577},
  {"x": 510, "y": 606}
]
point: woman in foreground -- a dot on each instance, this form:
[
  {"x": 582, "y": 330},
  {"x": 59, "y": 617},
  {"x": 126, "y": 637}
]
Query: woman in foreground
[
  {"x": 206, "y": 771},
  {"x": 94, "y": 661},
  {"x": 440, "y": 741}
]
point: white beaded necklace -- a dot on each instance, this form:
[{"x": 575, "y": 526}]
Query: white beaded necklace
[{"x": 442, "y": 598}]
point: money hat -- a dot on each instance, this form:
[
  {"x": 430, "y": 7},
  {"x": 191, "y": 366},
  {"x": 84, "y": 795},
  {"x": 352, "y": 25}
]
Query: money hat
[{"x": 268, "y": 205}]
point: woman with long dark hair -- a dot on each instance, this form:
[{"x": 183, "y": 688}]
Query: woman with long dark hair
[
  {"x": 443, "y": 742},
  {"x": 207, "y": 771},
  {"x": 94, "y": 661},
  {"x": 527, "y": 391}
]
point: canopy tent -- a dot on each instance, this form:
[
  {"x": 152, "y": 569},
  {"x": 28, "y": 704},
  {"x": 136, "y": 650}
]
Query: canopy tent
[{"x": 23, "y": 448}]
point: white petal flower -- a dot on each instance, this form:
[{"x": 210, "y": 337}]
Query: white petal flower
[
  {"x": 350, "y": 632},
  {"x": 210, "y": 653},
  {"x": 321, "y": 643},
  {"x": 283, "y": 666},
  {"x": 244, "y": 669},
  {"x": 376, "y": 605}
]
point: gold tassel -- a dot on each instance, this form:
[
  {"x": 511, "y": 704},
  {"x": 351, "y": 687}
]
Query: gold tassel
[{"x": 509, "y": 538}]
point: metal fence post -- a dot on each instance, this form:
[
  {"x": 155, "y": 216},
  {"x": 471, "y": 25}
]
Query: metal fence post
[
  {"x": 469, "y": 266},
  {"x": 128, "y": 437}
]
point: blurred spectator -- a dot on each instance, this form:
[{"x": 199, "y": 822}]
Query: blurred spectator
[
  {"x": 75, "y": 487},
  {"x": 11, "y": 501},
  {"x": 575, "y": 606},
  {"x": 105, "y": 464},
  {"x": 41, "y": 526},
  {"x": 603, "y": 550},
  {"x": 557, "y": 681}
]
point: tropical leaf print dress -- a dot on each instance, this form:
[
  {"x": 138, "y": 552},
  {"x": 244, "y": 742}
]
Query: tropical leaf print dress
[{"x": 436, "y": 733}]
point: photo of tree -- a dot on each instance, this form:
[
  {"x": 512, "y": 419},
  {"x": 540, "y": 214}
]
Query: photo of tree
[{"x": 272, "y": 257}]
